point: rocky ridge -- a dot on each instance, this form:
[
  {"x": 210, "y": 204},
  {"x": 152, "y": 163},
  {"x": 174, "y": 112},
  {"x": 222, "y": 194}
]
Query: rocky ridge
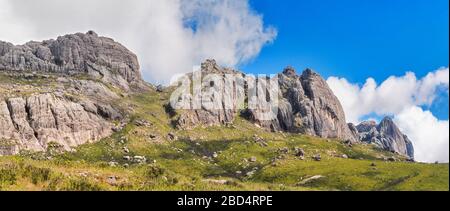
[
  {"x": 63, "y": 92},
  {"x": 69, "y": 110},
  {"x": 98, "y": 57},
  {"x": 307, "y": 106},
  {"x": 387, "y": 136}
]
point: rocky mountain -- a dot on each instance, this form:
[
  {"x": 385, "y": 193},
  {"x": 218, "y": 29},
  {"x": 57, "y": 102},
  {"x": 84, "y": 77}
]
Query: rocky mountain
[
  {"x": 307, "y": 106},
  {"x": 90, "y": 54},
  {"x": 315, "y": 109},
  {"x": 63, "y": 92},
  {"x": 387, "y": 136},
  {"x": 73, "y": 90}
]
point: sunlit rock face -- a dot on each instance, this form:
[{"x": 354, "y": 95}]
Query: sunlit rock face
[
  {"x": 88, "y": 53},
  {"x": 77, "y": 103},
  {"x": 387, "y": 136},
  {"x": 305, "y": 104}
]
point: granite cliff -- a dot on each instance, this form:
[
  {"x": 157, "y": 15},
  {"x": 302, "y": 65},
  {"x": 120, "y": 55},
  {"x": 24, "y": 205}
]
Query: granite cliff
[
  {"x": 307, "y": 106},
  {"x": 387, "y": 136},
  {"x": 63, "y": 92},
  {"x": 88, "y": 53}
]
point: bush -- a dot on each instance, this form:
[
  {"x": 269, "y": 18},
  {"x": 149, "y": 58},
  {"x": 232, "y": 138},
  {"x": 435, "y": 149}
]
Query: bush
[
  {"x": 154, "y": 171},
  {"x": 37, "y": 174},
  {"x": 7, "y": 177},
  {"x": 81, "y": 185}
]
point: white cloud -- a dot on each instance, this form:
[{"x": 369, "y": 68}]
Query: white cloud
[
  {"x": 429, "y": 84},
  {"x": 390, "y": 97},
  {"x": 169, "y": 36},
  {"x": 401, "y": 97},
  {"x": 429, "y": 135}
]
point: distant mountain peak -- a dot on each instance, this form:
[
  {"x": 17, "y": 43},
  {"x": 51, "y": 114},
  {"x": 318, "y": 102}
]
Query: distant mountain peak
[{"x": 387, "y": 136}]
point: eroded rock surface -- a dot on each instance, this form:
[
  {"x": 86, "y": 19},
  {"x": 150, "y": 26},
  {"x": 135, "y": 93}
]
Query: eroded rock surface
[
  {"x": 99, "y": 57},
  {"x": 306, "y": 105},
  {"x": 64, "y": 91},
  {"x": 211, "y": 111},
  {"x": 32, "y": 123},
  {"x": 315, "y": 108},
  {"x": 387, "y": 136}
]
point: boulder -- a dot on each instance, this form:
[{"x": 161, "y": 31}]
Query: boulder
[
  {"x": 317, "y": 157},
  {"x": 309, "y": 180}
]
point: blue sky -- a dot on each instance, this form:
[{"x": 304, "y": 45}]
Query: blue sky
[{"x": 357, "y": 39}]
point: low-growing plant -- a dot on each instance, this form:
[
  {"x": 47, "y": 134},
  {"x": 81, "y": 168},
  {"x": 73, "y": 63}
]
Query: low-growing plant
[
  {"x": 7, "y": 177},
  {"x": 154, "y": 171},
  {"x": 81, "y": 185},
  {"x": 36, "y": 174}
]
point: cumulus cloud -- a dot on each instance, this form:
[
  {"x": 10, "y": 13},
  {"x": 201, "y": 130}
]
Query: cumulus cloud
[
  {"x": 390, "y": 97},
  {"x": 430, "y": 135},
  {"x": 169, "y": 36},
  {"x": 401, "y": 97}
]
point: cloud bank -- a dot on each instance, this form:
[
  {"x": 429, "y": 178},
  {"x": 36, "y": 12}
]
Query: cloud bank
[
  {"x": 403, "y": 98},
  {"x": 169, "y": 36},
  {"x": 430, "y": 135}
]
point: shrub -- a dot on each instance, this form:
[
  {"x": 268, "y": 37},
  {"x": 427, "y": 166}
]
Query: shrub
[
  {"x": 7, "y": 177},
  {"x": 37, "y": 174},
  {"x": 81, "y": 185},
  {"x": 154, "y": 171}
]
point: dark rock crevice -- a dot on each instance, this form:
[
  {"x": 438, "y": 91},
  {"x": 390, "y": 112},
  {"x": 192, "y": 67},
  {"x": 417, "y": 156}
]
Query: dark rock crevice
[
  {"x": 10, "y": 111},
  {"x": 30, "y": 121}
]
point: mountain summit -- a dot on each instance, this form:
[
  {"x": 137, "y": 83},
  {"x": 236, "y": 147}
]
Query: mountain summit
[
  {"x": 387, "y": 136},
  {"x": 79, "y": 53}
]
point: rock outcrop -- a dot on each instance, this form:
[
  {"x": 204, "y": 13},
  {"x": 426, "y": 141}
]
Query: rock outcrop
[
  {"x": 90, "y": 54},
  {"x": 60, "y": 91},
  {"x": 306, "y": 105},
  {"x": 387, "y": 136},
  {"x": 315, "y": 108},
  {"x": 34, "y": 122},
  {"x": 220, "y": 112}
]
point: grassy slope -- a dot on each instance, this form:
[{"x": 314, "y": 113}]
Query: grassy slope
[{"x": 184, "y": 164}]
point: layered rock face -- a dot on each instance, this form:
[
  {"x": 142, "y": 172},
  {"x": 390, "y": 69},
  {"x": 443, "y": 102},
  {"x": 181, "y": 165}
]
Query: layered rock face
[
  {"x": 315, "y": 108},
  {"x": 46, "y": 101},
  {"x": 306, "y": 105},
  {"x": 33, "y": 122},
  {"x": 210, "y": 111},
  {"x": 387, "y": 136},
  {"x": 100, "y": 57}
]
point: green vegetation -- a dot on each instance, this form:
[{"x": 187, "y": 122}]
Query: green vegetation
[
  {"x": 246, "y": 157},
  {"x": 184, "y": 165}
]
